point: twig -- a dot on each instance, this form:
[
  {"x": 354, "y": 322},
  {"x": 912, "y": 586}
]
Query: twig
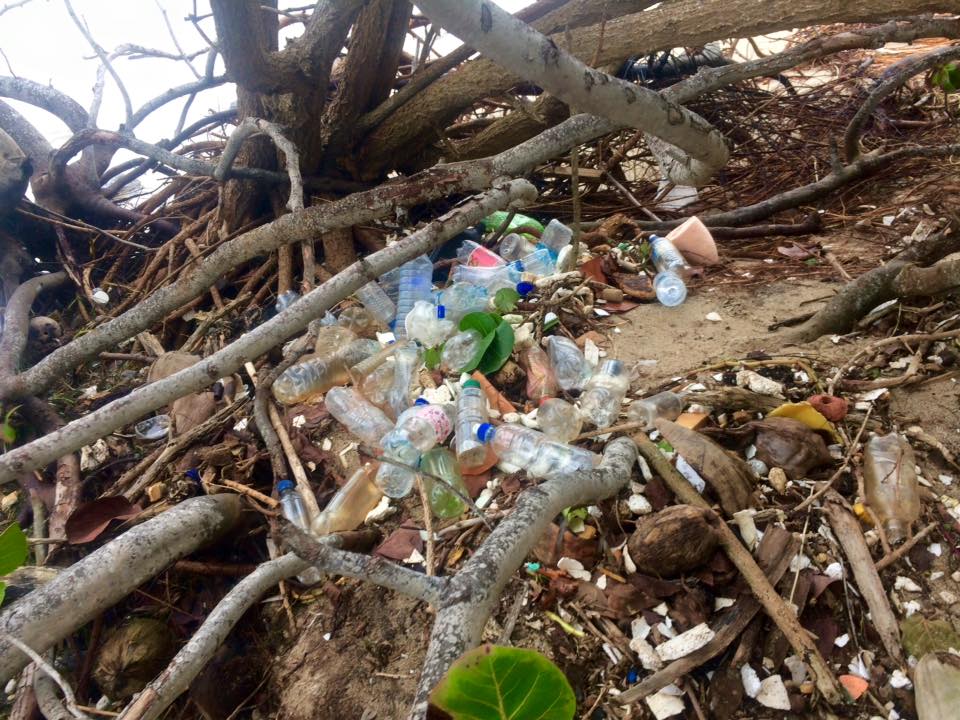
[
  {"x": 888, "y": 560},
  {"x": 38, "y": 660},
  {"x": 843, "y": 466},
  {"x": 270, "y": 502},
  {"x": 575, "y": 199},
  {"x": 428, "y": 523},
  {"x": 516, "y": 607}
]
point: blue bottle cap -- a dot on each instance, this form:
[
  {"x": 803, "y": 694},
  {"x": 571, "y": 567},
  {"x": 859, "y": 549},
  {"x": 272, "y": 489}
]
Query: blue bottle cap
[
  {"x": 421, "y": 401},
  {"x": 483, "y": 431},
  {"x": 193, "y": 474},
  {"x": 517, "y": 264},
  {"x": 525, "y": 288},
  {"x": 285, "y": 485},
  {"x": 441, "y": 312}
]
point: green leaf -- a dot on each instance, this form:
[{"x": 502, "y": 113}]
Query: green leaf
[
  {"x": 3, "y": 591},
  {"x": 921, "y": 636},
  {"x": 8, "y": 433},
  {"x": 431, "y": 357},
  {"x": 506, "y": 300},
  {"x": 947, "y": 78},
  {"x": 484, "y": 323},
  {"x": 13, "y": 549},
  {"x": 493, "y": 682},
  {"x": 499, "y": 349}
]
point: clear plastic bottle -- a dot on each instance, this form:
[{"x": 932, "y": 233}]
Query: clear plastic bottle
[
  {"x": 559, "y": 420},
  {"x": 330, "y": 338},
  {"x": 377, "y": 385},
  {"x": 471, "y": 413},
  {"x": 541, "y": 381},
  {"x": 361, "y": 370},
  {"x": 463, "y": 298},
  {"x": 670, "y": 288},
  {"x": 476, "y": 255},
  {"x": 493, "y": 279},
  {"x": 376, "y": 300},
  {"x": 318, "y": 373},
  {"x": 360, "y": 320},
  {"x": 286, "y": 299},
  {"x": 427, "y": 324},
  {"x": 153, "y": 428},
  {"x": 418, "y": 429},
  {"x": 890, "y": 484},
  {"x": 358, "y": 415},
  {"x": 556, "y": 236},
  {"x": 405, "y": 364},
  {"x": 669, "y": 283},
  {"x": 444, "y": 502},
  {"x": 569, "y": 365},
  {"x": 459, "y": 350},
  {"x": 390, "y": 282},
  {"x": 603, "y": 393},
  {"x": 291, "y": 505},
  {"x": 538, "y": 263},
  {"x": 351, "y": 504},
  {"x": 666, "y": 404},
  {"x": 514, "y": 246},
  {"x": 535, "y": 452},
  {"x": 415, "y": 284}
]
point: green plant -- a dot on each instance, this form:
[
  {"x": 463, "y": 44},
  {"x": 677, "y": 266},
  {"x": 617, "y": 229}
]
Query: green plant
[
  {"x": 947, "y": 78},
  {"x": 13, "y": 552},
  {"x": 493, "y": 682},
  {"x": 8, "y": 433},
  {"x": 506, "y": 300},
  {"x": 496, "y": 342}
]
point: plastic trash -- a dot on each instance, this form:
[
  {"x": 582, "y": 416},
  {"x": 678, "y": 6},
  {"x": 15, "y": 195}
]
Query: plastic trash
[
  {"x": 405, "y": 364},
  {"x": 390, "y": 282},
  {"x": 569, "y": 365},
  {"x": 153, "y": 428},
  {"x": 444, "y": 502},
  {"x": 358, "y": 415},
  {"x": 668, "y": 284},
  {"x": 476, "y": 255},
  {"x": 463, "y": 298},
  {"x": 559, "y": 420},
  {"x": 533, "y": 451},
  {"x": 556, "y": 236},
  {"x": 514, "y": 246},
  {"x": 541, "y": 381},
  {"x": 318, "y": 373},
  {"x": 890, "y": 484},
  {"x": 539, "y": 263},
  {"x": 286, "y": 299},
  {"x": 666, "y": 404},
  {"x": 493, "y": 279},
  {"x": 459, "y": 350},
  {"x": 351, "y": 504},
  {"x": 603, "y": 393},
  {"x": 427, "y": 324},
  {"x": 376, "y": 300},
  {"x": 694, "y": 241},
  {"x": 360, "y": 320},
  {"x": 331, "y": 337},
  {"x": 493, "y": 222},
  {"x": 415, "y": 284},
  {"x": 291, "y": 505},
  {"x": 471, "y": 413},
  {"x": 418, "y": 429}
]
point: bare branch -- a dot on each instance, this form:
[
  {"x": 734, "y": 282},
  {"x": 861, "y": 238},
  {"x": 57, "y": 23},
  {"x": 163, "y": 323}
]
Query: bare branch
[
  {"x": 31, "y": 142},
  {"x": 204, "y": 83},
  {"x": 47, "y": 98},
  {"x": 71, "y": 699},
  {"x": 248, "y": 127},
  {"x": 16, "y": 320}
]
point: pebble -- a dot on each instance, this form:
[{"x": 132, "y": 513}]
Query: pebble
[
  {"x": 639, "y": 505},
  {"x": 947, "y": 597},
  {"x": 905, "y": 583},
  {"x": 773, "y": 693},
  {"x": 666, "y": 703},
  {"x": 714, "y": 317},
  {"x": 685, "y": 643}
]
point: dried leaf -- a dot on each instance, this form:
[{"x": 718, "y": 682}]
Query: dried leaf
[
  {"x": 593, "y": 269},
  {"x": 88, "y": 521},
  {"x": 809, "y": 416},
  {"x": 790, "y": 444},
  {"x": 937, "y": 680},
  {"x": 132, "y": 655},
  {"x": 401, "y": 543},
  {"x": 921, "y": 636},
  {"x": 189, "y": 411}
]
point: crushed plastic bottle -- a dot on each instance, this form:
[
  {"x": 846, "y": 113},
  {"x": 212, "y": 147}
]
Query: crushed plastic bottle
[
  {"x": 538, "y": 263},
  {"x": 331, "y": 337},
  {"x": 427, "y": 324},
  {"x": 603, "y": 393},
  {"x": 890, "y": 484},
  {"x": 444, "y": 502},
  {"x": 672, "y": 269},
  {"x": 286, "y": 299},
  {"x": 390, "y": 282},
  {"x": 463, "y": 298},
  {"x": 569, "y": 365},
  {"x": 559, "y": 420},
  {"x": 477, "y": 255},
  {"x": 153, "y": 428},
  {"x": 493, "y": 279},
  {"x": 376, "y": 300},
  {"x": 556, "y": 236},
  {"x": 666, "y": 404},
  {"x": 318, "y": 373},
  {"x": 291, "y": 505},
  {"x": 405, "y": 364},
  {"x": 471, "y": 413},
  {"x": 415, "y": 284},
  {"x": 360, "y": 320},
  {"x": 541, "y": 381},
  {"x": 351, "y": 504},
  {"x": 493, "y": 222},
  {"x": 514, "y": 246},
  {"x": 460, "y": 350},
  {"x": 358, "y": 415},
  {"x": 533, "y": 451},
  {"x": 418, "y": 429}
]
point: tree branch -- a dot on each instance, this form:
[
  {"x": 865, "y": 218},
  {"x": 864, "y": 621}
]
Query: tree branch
[
  {"x": 248, "y": 127},
  {"x": 46, "y": 98},
  {"x": 16, "y": 320}
]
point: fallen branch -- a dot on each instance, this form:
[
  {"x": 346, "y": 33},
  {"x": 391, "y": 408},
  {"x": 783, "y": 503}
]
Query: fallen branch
[
  {"x": 16, "y": 320},
  {"x": 45, "y": 667},
  {"x": 53, "y": 611}
]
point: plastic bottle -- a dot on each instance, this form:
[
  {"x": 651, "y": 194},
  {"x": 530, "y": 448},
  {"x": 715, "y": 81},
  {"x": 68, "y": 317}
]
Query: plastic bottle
[
  {"x": 376, "y": 300},
  {"x": 152, "y": 428},
  {"x": 508, "y": 276},
  {"x": 360, "y": 320},
  {"x": 514, "y": 246},
  {"x": 471, "y": 413},
  {"x": 361, "y": 418},
  {"x": 286, "y": 299},
  {"x": 291, "y": 505},
  {"x": 476, "y": 255},
  {"x": 556, "y": 236},
  {"x": 418, "y": 429},
  {"x": 459, "y": 350},
  {"x": 538, "y": 263},
  {"x": 351, "y": 504},
  {"x": 535, "y": 452},
  {"x": 666, "y": 404},
  {"x": 444, "y": 502},
  {"x": 569, "y": 365},
  {"x": 317, "y": 374},
  {"x": 603, "y": 393},
  {"x": 405, "y": 364},
  {"x": 390, "y": 282},
  {"x": 415, "y": 283},
  {"x": 668, "y": 283},
  {"x": 427, "y": 324},
  {"x": 890, "y": 484},
  {"x": 463, "y": 298},
  {"x": 361, "y": 370},
  {"x": 377, "y": 384},
  {"x": 330, "y": 338},
  {"x": 559, "y": 420},
  {"x": 541, "y": 381}
]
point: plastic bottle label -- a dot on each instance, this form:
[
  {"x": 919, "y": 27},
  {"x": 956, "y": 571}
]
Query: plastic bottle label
[
  {"x": 438, "y": 419},
  {"x": 482, "y": 257}
]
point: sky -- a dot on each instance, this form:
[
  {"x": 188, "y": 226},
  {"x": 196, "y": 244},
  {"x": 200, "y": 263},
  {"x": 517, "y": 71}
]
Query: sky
[{"x": 40, "y": 42}]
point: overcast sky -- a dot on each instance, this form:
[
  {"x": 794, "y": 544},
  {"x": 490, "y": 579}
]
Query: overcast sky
[{"x": 41, "y": 43}]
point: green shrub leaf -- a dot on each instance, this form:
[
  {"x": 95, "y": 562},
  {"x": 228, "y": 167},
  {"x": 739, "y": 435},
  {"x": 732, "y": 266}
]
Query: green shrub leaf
[
  {"x": 493, "y": 682},
  {"x": 431, "y": 357},
  {"x": 484, "y": 323},
  {"x": 13, "y": 549},
  {"x": 499, "y": 349},
  {"x": 506, "y": 300}
]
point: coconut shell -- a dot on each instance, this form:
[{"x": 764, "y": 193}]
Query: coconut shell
[
  {"x": 673, "y": 541},
  {"x": 132, "y": 655}
]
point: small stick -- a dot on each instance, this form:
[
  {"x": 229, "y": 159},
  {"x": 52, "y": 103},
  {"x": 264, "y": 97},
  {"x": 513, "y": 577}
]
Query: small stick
[
  {"x": 888, "y": 560},
  {"x": 513, "y": 615},
  {"x": 247, "y": 490},
  {"x": 69, "y": 699},
  {"x": 846, "y": 461},
  {"x": 428, "y": 523}
]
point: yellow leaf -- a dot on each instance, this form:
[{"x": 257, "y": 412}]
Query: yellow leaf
[{"x": 808, "y": 415}]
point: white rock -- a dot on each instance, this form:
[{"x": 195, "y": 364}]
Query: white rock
[
  {"x": 955, "y": 576},
  {"x": 945, "y": 479},
  {"x": 911, "y": 606},
  {"x": 629, "y": 567},
  {"x": 640, "y": 628},
  {"x": 797, "y": 668},
  {"x": 899, "y": 680},
  {"x": 947, "y": 597},
  {"x": 326, "y": 445},
  {"x": 644, "y": 469},
  {"x": 602, "y": 582},
  {"x": 936, "y": 575},
  {"x": 440, "y": 395},
  {"x": 298, "y": 421},
  {"x": 721, "y": 603},
  {"x": 692, "y": 476},
  {"x": 935, "y": 549},
  {"x": 748, "y": 529},
  {"x": 685, "y": 643},
  {"x": 639, "y": 505},
  {"x": 842, "y": 640},
  {"x": 415, "y": 558},
  {"x": 834, "y": 570},
  {"x": 666, "y": 628},
  {"x": 646, "y": 654},
  {"x": 773, "y": 694},
  {"x": 905, "y": 583},
  {"x": 666, "y": 703},
  {"x": 573, "y": 568},
  {"x": 100, "y": 296},
  {"x": 751, "y": 683},
  {"x": 714, "y": 317},
  {"x": 661, "y": 609},
  {"x": 759, "y": 384}
]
